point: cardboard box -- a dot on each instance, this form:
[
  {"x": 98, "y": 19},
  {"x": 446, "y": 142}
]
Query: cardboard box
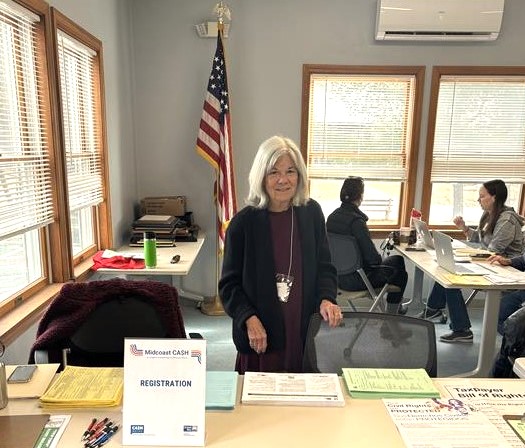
[{"x": 164, "y": 205}]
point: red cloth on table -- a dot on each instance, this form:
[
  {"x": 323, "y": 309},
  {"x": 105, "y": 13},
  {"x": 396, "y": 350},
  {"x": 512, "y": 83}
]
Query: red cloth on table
[{"x": 117, "y": 262}]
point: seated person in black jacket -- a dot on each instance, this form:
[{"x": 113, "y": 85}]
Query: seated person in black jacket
[{"x": 349, "y": 220}]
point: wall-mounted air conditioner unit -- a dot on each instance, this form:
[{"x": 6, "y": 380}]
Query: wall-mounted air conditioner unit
[
  {"x": 210, "y": 29},
  {"x": 452, "y": 20}
]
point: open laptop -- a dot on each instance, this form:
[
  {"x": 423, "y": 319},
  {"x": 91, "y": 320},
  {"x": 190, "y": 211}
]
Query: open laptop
[
  {"x": 445, "y": 258},
  {"x": 423, "y": 232},
  {"x": 424, "y": 235}
]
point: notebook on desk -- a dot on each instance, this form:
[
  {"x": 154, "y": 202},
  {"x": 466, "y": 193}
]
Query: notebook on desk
[
  {"x": 21, "y": 431},
  {"x": 445, "y": 258}
]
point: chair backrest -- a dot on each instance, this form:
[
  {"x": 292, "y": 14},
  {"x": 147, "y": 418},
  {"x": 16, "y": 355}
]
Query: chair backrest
[
  {"x": 92, "y": 319},
  {"x": 99, "y": 340},
  {"x": 370, "y": 340},
  {"x": 514, "y": 334},
  {"x": 346, "y": 256}
]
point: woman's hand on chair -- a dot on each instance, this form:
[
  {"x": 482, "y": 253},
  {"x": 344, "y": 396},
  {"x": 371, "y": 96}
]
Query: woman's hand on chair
[{"x": 331, "y": 313}]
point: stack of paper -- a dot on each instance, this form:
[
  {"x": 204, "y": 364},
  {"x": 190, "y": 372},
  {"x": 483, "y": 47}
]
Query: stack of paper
[
  {"x": 482, "y": 280},
  {"x": 295, "y": 389},
  {"x": 475, "y": 252},
  {"x": 389, "y": 383},
  {"x": 519, "y": 367},
  {"x": 85, "y": 387},
  {"x": 164, "y": 226},
  {"x": 221, "y": 390},
  {"x": 506, "y": 276},
  {"x": 52, "y": 431}
]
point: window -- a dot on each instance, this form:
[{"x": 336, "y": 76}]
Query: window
[
  {"x": 54, "y": 204},
  {"x": 80, "y": 93},
  {"x": 476, "y": 133},
  {"x": 363, "y": 121},
  {"x": 26, "y": 204}
]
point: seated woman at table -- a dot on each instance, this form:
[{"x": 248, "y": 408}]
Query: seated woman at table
[
  {"x": 499, "y": 231},
  {"x": 277, "y": 270},
  {"x": 348, "y": 219}
]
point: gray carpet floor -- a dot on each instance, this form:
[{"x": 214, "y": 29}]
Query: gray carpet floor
[{"x": 452, "y": 358}]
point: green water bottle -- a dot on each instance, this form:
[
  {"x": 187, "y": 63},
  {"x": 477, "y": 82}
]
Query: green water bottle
[{"x": 150, "y": 250}]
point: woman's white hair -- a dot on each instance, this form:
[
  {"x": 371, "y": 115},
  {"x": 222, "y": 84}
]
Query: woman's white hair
[{"x": 267, "y": 155}]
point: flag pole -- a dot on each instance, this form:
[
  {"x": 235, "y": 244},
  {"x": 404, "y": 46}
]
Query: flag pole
[{"x": 212, "y": 306}]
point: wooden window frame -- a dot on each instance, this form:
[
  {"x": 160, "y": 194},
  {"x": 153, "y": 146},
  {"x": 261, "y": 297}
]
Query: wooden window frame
[
  {"x": 408, "y": 188},
  {"x": 102, "y": 213},
  {"x": 22, "y": 310},
  {"x": 437, "y": 72}
]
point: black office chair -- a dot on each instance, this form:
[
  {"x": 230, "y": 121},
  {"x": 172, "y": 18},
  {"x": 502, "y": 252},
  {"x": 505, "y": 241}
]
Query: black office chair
[
  {"x": 87, "y": 322},
  {"x": 512, "y": 345},
  {"x": 346, "y": 257},
  {"x": 370, "y": 340}
]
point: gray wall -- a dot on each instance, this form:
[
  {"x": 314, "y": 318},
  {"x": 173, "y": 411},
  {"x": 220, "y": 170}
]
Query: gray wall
[
  {"x": 110, "y": 21},
  {"x": 156, "y": 70},
  {"x": 269, "y": 42}
]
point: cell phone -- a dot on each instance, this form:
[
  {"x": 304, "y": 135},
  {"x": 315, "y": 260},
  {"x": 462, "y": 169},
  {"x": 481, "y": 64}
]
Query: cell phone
[{"x": 22, "y": 374}]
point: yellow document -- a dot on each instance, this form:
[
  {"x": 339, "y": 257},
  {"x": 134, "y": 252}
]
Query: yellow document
[
  {"x": 517, "y": 424},
  {"x": 85, "y": 387},
  {"x": 467, "y": 279},
  {"x": 472, "y": 251}
]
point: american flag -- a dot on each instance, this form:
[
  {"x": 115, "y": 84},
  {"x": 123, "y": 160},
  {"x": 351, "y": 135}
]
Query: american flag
[{"x": 214, "y": 140}]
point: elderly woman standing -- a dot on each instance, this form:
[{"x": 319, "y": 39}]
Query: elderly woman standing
[{"x": 277, "y": 271}]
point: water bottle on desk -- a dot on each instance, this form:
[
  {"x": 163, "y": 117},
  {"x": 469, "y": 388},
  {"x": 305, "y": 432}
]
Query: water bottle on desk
[{"x": 150, "y": 250}]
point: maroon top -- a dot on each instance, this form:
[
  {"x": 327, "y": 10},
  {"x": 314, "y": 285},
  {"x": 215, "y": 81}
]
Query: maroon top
[{"x": 291, "y": 359}]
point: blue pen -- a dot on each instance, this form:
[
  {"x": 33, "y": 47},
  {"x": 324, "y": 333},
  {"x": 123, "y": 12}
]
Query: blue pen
[
  {"x": 110, "y": 435},
  {"x": 100, "y": 439},
  {"x": 92, "y": 442},
  {"x": 104, "y": 438}
]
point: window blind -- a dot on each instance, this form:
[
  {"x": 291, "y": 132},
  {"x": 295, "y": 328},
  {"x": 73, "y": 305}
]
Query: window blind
[
  {"x": 360, "y": 125},
  {"x": 25, "y": 171},
  {"x": 81, "y": 128},
  {"x": 480, "y": 129}
]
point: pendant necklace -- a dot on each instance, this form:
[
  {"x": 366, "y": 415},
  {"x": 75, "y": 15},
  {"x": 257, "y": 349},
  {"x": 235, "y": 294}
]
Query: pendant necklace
[{"x": 284, "y": 282}]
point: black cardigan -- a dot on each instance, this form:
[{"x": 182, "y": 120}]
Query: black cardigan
[{"x": 247, "y": 285}]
